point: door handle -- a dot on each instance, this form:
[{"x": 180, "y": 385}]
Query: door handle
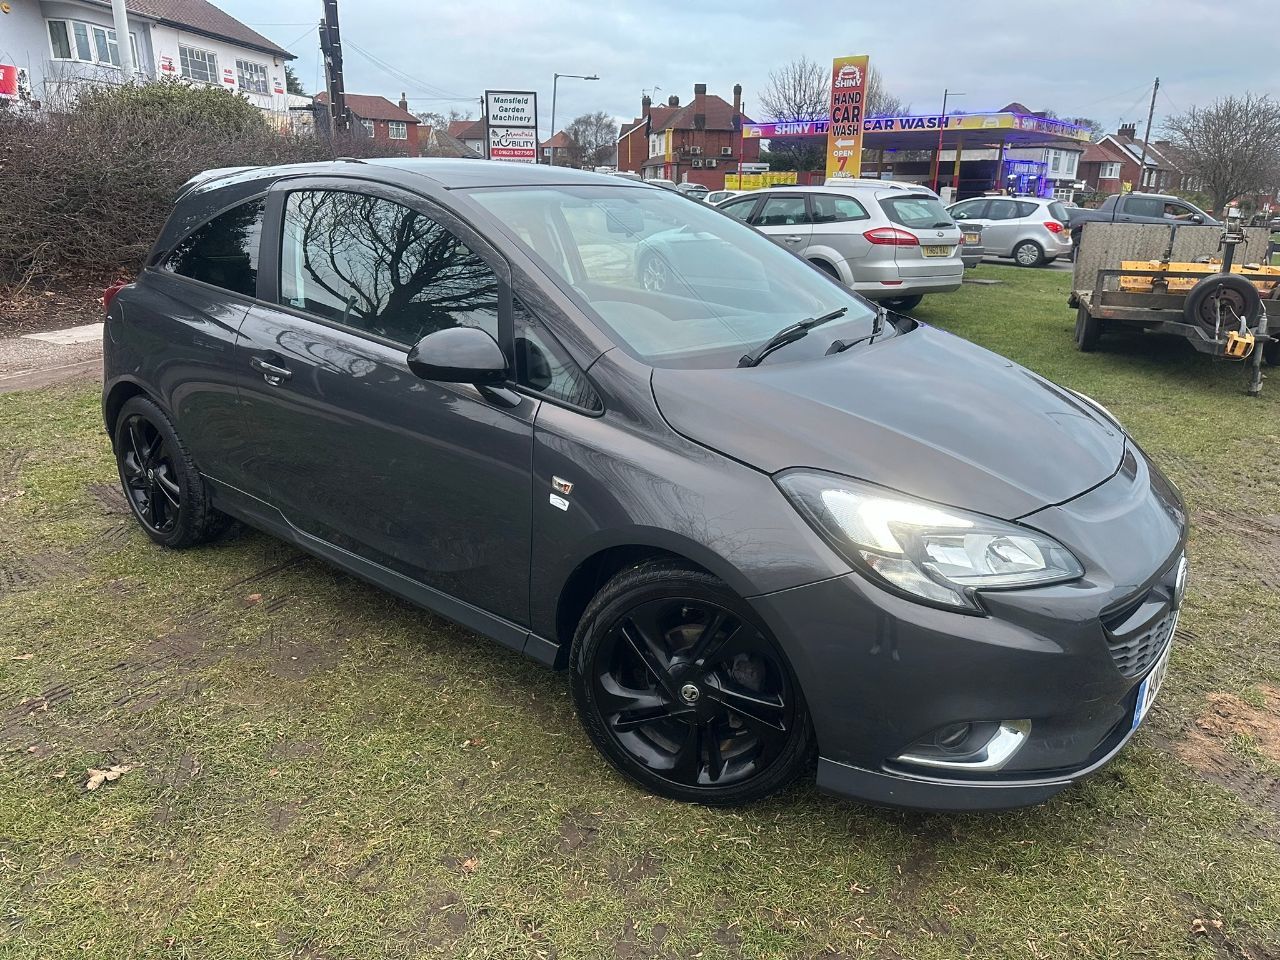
[
  {"x": 273, "y": 374},
  {"x": 793, "y": 238}
]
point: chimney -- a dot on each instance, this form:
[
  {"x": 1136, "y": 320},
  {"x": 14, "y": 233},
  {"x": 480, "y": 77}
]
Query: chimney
[
  {"x": 404, "y": 104},
  {"x": 1127, "y": 131},
  {"x": 645, "y": 104},
  {"x": 673, "y": 101},
  {"x": 737, "y": 99},
  {"x": 699, "y": 106}
]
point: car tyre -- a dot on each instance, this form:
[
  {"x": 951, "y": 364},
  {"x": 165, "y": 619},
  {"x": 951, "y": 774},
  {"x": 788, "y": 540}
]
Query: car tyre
[
  {"x": 1088, "y": 330},
  {"x": 684, "y": 690},
  {"x": 903, "y": 304},
  {"x": 162, "y": 485},
  {"x": 1029, "y": 254}
]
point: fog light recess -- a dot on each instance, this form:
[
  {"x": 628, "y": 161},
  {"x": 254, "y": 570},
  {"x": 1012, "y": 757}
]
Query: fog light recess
[{"x": 979, "y": 746}]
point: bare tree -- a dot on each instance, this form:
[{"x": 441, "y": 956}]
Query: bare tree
[
  {"x": 593, "y": 136},
  {"x": 435, "y": 118},
  {"x": 879, "y": 102},
  {"x": 1232, "y": 146}
]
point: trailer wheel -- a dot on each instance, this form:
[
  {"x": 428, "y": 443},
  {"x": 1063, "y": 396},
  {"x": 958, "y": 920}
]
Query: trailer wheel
[
  {"x": 1229, "y": 293},
  {"x": 1088, "y": 330}
]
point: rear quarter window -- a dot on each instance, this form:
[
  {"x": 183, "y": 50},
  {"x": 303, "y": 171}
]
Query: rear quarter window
[
  {"x": 916, "y": 212},
  {"x": 1058, "y": 212},
  {"x": 224, "y": 252}
]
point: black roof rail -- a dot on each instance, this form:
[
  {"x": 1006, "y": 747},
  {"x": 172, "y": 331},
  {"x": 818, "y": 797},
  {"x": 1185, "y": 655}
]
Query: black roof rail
[{"x": 347, "y": 160}]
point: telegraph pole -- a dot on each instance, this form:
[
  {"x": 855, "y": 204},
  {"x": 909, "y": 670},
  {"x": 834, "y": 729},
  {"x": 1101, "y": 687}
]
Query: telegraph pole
[
  {"x": 1142, "y": 163},
  {"x": 122, "y": 39},
  {"x": 331, "y": 49}
]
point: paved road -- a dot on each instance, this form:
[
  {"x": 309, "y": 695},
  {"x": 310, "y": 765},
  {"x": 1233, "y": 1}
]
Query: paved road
[{"x": 39, "y": 359}]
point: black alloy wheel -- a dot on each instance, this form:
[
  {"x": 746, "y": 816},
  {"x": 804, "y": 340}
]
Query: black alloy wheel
[
  {"x": 686, "y": 694},
  {"x": 149, "y": 474},
  {"x": 162, "y": 485}
]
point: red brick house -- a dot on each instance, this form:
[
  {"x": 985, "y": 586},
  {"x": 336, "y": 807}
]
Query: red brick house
[
  {"x": 696, "y": 143},
  {"x": 384, "y": 121},
  {"x": 1113, "y": 162},
  {"x": 562, "y": 143}
]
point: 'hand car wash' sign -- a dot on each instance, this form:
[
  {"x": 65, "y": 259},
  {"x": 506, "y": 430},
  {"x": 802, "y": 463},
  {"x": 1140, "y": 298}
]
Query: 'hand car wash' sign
[{"x": 844, "y": 133}]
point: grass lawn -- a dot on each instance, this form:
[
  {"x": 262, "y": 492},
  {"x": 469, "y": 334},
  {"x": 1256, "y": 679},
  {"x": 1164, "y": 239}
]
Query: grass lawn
[{"x": 318, "y": 770}]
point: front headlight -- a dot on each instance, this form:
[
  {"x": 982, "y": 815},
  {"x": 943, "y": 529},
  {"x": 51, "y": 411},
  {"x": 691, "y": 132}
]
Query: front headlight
[{"x": 932, "y": 553}]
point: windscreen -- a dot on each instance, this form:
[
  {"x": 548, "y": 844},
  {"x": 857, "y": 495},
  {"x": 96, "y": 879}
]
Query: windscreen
[{"x": 676, "y": 282}]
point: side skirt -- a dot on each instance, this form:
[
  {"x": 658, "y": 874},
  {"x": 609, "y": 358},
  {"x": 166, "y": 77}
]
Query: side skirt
[{"x": 268, "y": 519}]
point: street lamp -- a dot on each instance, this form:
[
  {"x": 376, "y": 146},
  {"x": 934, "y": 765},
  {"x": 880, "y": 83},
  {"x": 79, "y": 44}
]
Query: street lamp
[
  {"x": 937, "y": 157},
  {"x": 555, "y": 80}
]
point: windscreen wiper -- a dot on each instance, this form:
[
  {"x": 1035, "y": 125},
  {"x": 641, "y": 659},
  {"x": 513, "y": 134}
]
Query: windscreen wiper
[
  {"x": 877, "y": 327},
  {"x": 788, "y": 335}
]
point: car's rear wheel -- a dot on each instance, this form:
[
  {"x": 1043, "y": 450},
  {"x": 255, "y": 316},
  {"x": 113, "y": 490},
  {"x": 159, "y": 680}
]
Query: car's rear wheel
[
  {"x": 1028, "y": 254},
  {"x": 903, "y": 304},
  {"x": 684, "y": 690},
  {"x": 161, "y": 483}
]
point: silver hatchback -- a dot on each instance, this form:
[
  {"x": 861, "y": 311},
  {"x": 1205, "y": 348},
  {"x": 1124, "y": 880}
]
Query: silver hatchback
[
  {"x": 890, "y": 245},
  {"x": 1031, "y": 230}
]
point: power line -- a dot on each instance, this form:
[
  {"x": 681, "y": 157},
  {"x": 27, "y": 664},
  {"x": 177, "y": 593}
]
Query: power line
[{"x": 398, "y": 74}]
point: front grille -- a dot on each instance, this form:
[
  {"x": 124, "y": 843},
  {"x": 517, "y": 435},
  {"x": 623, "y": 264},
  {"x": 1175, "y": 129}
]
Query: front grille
[{"x": 1135, "y": 652}]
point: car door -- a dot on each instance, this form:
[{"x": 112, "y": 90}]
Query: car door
[
  {"x": 839, "y": 223},
  {"x": 431, "y": 481},
  {"x": 740, "y": 209},
  {"x": 784, "y": 219},
  {"x": 1000, "y": 228}
]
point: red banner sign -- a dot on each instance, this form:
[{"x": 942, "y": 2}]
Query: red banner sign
[{"x": 8, "y": 81}]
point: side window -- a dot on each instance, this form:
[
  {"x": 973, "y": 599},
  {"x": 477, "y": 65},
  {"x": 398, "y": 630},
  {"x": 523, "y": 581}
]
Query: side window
[
  {"x": 224, "y": 252},
  {"x": 969, "y": 210},
  {"x": 1002, "y": 210},
  {"x": 740, "y": 209},
  {"x": 829, "y": 208},
  {"x": 1027, "y": 209},
  {"x": 783, "y": 211},
  {"x": 542, "y": 365},
  {"x": 1144, "y": 206},
  {"x": 377, "y": 266}
]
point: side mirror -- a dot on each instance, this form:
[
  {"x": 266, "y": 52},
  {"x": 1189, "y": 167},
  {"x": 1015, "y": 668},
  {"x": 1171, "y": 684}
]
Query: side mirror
[
  {"x": 1196, "y": 218},
  {"x": 459, "y": 355}
]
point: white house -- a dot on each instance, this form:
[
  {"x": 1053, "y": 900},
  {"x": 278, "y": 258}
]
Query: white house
[{"x": 57, "y": 47}]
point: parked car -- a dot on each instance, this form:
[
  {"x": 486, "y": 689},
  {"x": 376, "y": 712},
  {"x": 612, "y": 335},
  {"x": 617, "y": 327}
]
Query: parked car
[
  {"x": 890, "y": 245},
  {"x": 1031, "y": 230},
  {"x": 972, "y": 249},
  {"x": 1138, "y": 208},
  {"x": 716, "y": 197},
  {"x": 757, "y": 526},
  {"x": 627, "y": 175},
  {"x": 695, "y": 190},
  {"x": 665, "y": 184},
  {"x": 880, "y": 184}
]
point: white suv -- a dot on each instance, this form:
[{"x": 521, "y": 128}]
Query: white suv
[{"x": 888, "y": 244}]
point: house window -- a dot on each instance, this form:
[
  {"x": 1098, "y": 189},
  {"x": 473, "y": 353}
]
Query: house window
[
  {"x": 199, "y": 64},
  {"x": 1055, "y": 160},
  {"x": 1110, "y": 171},
  {"x": 398, "y": 130},
  {"x": 251, "y": 77},
  {"x": 368, "y": 127},
  {"x": 87, "y": 43}
]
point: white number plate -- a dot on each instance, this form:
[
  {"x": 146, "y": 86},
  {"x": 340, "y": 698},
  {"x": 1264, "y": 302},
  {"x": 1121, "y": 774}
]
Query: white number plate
[{"x": 1151, "y": 686}]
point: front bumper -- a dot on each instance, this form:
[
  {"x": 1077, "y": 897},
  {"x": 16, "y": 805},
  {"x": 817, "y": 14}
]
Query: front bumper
[{"x": 881, "y": 672}]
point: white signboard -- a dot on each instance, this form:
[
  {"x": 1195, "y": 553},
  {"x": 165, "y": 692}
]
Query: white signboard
[
  {"x": 513, "y": 143},
  {"x": 511, "y": 108}
]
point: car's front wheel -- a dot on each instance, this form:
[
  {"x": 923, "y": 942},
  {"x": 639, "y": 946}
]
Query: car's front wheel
[
  {"x": 684, "y": 690},
  {"x": 161, "y": 483}
]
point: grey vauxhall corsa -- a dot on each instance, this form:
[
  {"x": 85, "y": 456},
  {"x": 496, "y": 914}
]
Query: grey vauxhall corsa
[{"x": 761, "y": 521}]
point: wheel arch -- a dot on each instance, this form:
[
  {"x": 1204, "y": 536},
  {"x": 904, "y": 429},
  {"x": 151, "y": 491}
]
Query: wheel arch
[
  {"x": 828, "y": 260},
  {"x": 602, "y": 561},
  {"x": 116, "y": 396}
]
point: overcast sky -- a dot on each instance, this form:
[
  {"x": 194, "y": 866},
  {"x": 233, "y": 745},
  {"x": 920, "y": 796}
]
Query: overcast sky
[{"x": 1094, "y": 58}]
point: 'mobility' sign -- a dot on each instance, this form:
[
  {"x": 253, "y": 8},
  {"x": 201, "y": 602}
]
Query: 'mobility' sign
[{"x": 511, "y": 121}]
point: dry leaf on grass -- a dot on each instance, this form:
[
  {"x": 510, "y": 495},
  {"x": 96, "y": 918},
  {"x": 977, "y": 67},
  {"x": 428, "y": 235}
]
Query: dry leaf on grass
[
  {"x": 253, "y": 598},
  {"x": 1201, "y": 927},
  {"x": 98, "y": 777},
  {"x": 469, "y": 865},
  {"x": 23, "y": 656}
]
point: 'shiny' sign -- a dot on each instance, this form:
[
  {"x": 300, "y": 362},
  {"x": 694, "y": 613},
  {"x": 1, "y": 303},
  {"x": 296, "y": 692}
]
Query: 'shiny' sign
[{"x": 844, "y": 134}]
